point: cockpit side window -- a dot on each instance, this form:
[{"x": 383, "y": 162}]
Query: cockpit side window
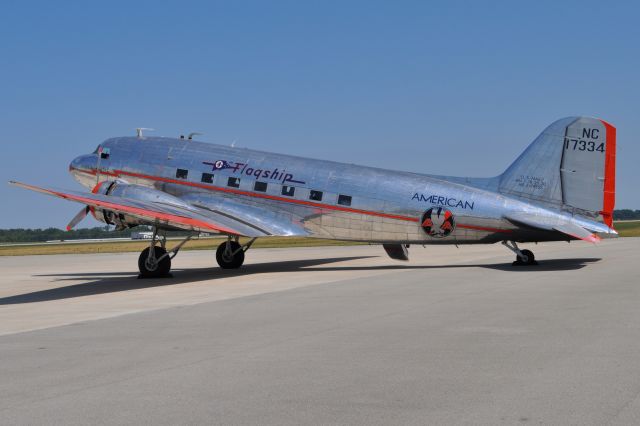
[{"x": 104, "y": 152}]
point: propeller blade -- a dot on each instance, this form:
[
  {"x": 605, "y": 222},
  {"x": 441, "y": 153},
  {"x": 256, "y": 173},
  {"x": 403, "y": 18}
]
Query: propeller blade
[{"x": 77, "y": 218}]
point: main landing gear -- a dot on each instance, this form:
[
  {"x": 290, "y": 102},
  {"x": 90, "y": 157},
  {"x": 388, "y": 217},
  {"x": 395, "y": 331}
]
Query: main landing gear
[
  {"x": 230, "y": 254},
  {"x": 155, "y": 261},
  {"x": 523, "y": 257}
]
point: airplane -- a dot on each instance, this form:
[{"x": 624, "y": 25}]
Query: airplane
[{"x": 561, "y": 188}]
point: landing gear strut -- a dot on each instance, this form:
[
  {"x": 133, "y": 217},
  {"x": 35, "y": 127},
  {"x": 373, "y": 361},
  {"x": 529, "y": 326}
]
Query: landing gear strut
[
  {"x": 523, "y": 257},
  {"x": 155, "y": 261},
  {"x": 230, "y": 254}
]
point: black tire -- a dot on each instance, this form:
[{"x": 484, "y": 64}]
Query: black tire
[
  {"x": 232, "y": 263},
  {"x": 162, "y": 268},
  {"x": 530, "y": 259}
]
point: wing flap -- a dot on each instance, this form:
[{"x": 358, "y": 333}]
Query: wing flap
[
  {"x": 268, "y": 219},
  {"x": 150, "y": 212}
]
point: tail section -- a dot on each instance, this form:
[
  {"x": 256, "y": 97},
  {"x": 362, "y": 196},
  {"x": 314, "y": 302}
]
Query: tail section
[{"x": 571, "y": 165}]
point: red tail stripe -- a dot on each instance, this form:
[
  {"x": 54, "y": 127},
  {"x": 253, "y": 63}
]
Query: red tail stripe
[{"x": 609, "y": 199}]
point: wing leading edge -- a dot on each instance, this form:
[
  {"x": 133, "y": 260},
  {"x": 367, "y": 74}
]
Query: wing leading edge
[{"x": 151, "y": 212}]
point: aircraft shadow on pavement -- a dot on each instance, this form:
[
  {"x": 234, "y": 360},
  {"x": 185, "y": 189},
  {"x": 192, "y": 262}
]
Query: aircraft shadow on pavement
[
  {"x": 111, "y": 282},
  {"x": 547, "y": 265}
]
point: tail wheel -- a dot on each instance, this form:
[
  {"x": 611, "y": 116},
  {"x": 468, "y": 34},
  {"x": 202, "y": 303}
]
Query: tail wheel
[
  {"x": 152, "y": 268},
  {"x": 231, "y": 257},
  {"x": 527, "y": 258}
]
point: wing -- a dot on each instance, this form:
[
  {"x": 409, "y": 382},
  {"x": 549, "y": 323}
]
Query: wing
[
  {"x": 154, "y": 213},
  {"x": 264, "y": 220},
  {"x": 580, "y": 229}
]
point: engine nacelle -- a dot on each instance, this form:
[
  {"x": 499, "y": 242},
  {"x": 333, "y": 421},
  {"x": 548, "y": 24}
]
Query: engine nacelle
[{"x": 119, "y": 188}]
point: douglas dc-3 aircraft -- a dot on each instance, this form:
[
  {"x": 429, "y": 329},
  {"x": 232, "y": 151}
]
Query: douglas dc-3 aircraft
[{"x": 561, "y": 188}]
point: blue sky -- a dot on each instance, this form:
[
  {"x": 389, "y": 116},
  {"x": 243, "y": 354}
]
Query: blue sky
[{"x": 456, "y": 88}]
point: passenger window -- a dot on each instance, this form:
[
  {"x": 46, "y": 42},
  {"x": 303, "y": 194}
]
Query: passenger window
[
  {"x": 234, "y": 182},
  {"x": 288, "y": 190},
  {"x": 344, "y": 200},
  {"x": 315, "y": 195},
  {"x": 182, "y": 173},
  {"x": 260, "y": 186},
  {"x": 207, "y": 178}
]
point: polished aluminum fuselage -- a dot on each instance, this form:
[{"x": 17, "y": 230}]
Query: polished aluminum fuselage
[{"x": 386, "y": 206}]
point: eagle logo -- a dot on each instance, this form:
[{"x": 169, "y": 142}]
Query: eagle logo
[{"x": 438, "y": 222}]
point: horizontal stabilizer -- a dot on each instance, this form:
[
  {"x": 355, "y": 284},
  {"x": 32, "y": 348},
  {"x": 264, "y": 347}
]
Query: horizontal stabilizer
[
  {"x": 577, "y": 232},
  {"x": 575, "y": 228}
]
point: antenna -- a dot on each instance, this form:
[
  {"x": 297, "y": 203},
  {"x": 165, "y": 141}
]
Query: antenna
[
  {"x": 139, "y": 131},
  {"x": 233, "y": 144},
  {"x": 191, "y": 135}
]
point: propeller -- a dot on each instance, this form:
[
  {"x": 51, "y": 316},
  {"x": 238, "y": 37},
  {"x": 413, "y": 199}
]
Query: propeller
[{"x": 78, "y": 217}]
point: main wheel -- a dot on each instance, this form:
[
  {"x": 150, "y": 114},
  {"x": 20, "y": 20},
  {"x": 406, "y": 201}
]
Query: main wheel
[
  {"x": 154, "y": 268},
  {"x": 227, "y": 260},
  {"x": 527, "y": 259}
]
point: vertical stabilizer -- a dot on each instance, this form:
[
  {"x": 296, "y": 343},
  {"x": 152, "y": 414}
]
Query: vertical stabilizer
[{"x": 570, "y": 165}]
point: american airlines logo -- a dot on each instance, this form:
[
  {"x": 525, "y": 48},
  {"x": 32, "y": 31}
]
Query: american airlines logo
[{"x": 244, "y": 169}]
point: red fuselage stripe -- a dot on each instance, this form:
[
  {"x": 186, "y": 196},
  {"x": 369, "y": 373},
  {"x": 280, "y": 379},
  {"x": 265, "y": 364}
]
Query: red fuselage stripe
[
  {"x": 482, "y": 228},
  {"x": 118, "y": 173}
]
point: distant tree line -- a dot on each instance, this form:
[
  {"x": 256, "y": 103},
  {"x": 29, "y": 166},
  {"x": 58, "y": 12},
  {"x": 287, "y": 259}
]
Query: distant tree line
[
  {"x": 626, "y": 214},
  {"x": 21, "y": 235}
]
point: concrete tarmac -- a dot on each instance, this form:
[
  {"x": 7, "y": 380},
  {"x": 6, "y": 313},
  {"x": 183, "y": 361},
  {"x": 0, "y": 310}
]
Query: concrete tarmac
[{"x": 333, "y": 335}]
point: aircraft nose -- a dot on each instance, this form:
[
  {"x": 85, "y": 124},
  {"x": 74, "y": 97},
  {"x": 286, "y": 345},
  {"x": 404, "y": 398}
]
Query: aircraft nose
[
  {"x": 82, "y": 162},
  {"x": 81, "y": 168}
]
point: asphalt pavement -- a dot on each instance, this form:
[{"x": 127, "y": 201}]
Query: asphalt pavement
[{"x": 333, "y": 335}]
